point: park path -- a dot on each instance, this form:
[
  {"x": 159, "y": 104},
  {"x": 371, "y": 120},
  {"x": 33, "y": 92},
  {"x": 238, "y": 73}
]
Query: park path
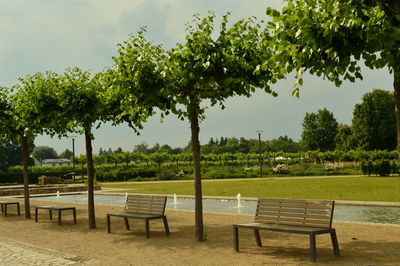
[{"x": 19, "y": 253}]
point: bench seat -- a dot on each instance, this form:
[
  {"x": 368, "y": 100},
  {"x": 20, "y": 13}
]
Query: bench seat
[
  {"x": 298, "y": 216},
  {"x": 144, "y": 207}
]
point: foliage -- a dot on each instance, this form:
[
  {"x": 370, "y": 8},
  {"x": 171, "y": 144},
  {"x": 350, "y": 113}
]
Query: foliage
[
  {"x": 44, "y": 152},
  {"x": 319, "y": 131},
  {"x": 123, "y": 174},
  {"x": 382, "y": 167},
  {"x": 342, "y": 138},
  {"x": 331, "y": 38},
  {"x": 280, "y": 169},
  {"x": 10, "y": 154},
  {"x": 374, "y": 122},
  {"x": 67, "y": 154}
]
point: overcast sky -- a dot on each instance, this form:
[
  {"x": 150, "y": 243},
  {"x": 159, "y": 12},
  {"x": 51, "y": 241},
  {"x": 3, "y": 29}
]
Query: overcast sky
[{"x": 38, "y": 35}]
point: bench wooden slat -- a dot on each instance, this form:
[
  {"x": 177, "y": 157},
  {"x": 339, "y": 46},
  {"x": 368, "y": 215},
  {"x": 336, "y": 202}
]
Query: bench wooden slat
[
  {"x": 287, "y": 214},
  {"x": 296, "y": 205},
  {"x": 327, "y": 202},
  {"x": 311, "y": 211}
]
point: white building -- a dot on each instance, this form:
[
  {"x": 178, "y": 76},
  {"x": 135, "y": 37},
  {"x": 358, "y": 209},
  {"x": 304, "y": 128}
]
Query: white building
[{"x": 55, "y": 162}]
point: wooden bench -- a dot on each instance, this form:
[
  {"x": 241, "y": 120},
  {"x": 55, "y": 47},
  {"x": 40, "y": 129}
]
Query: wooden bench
[
  {"x": 299, "y": 216},
  {"x": 52, "y": 208},
  {"x": 4, "y": 205},
  {"x": 142, "y": 207}
]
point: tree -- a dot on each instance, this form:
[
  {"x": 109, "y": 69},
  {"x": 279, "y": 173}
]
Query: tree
[
  {"x": 142, "y": 148},
  {"x": 81, "y": 101},
  {"x": 44, "y": 152},
  {"x": 374, "y": 121},
  {"x": 67, "y": 154},
  {"x": 201, "y": 69},
  {"x": 342, "y": 138},
  {"x": 330, "y": 37},
  {"x": 214, "y": 66},
  {"x": 319, "y": 131},
  {"x": 26, "y": 114}
]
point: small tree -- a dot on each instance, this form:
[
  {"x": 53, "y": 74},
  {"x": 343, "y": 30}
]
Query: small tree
[
  {"x": 44, "y": 152},
  {"x": 319, "y": 131},
  {"x": 80, "y": 98},
  {"x": 374, "y": 121},
  {"x": 26, "y": 114}
]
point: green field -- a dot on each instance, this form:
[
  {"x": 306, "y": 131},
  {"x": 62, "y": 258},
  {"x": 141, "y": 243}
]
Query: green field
[{"x": 335, "y": 188}]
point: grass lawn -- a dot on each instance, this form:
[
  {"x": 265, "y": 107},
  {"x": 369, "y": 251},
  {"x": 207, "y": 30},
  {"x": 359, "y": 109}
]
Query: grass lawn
[{"x": 348, "y": 188}]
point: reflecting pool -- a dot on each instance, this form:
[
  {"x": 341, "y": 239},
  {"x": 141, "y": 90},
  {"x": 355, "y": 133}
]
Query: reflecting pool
[{"x": 374, "y": 214}]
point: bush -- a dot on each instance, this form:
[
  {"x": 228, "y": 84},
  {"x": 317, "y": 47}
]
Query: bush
[
  {"x": 221, "y": 173},
  {"x": 121, "y": 174},
  {"x": 380, "y": 167},
  {"x": 280, "y": 169}
]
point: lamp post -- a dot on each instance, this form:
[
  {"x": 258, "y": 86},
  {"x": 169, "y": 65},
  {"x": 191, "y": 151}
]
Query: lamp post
[
  {"x": 259, "y": 149},
  {"x": 73, "y": 156}
]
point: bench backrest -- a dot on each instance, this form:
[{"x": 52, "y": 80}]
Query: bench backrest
[
  {"x": 146, "y": 204},
  {"x": 312, "y": 213}
]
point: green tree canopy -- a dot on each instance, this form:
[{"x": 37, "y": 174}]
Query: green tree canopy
[
  {"x": 67, "y": 154},
  {"x": 319, "y": 131},
  {"x": 374, "y": 122},
  {"x": 44, "y": 152},
  {"x": 343, "y": 137},
  {"x": 332, "y": 38}
]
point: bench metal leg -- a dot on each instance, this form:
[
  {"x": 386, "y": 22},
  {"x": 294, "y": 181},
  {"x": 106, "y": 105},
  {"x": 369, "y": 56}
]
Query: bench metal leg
[
  {"x": 313, "y": 248},
  {"x": 147, "y": 228},
  {"x": 59, "y": 217},
  {"x": 36, "y": 214},
  {"x": 166, "y": 225},
  {"x": 335, "y": 243},
  {"x": 108, "y": 224},
  {"x": 50, "y": 214},
  {"x": 258, "y": 238},
  {"x": 5, "y": 210},
  {"x": 127, "y": 224},
  {"x": 19, "y": 211},
  {"x": 236, "y": 238},
  {"x": 2, "y": 208},
  {"x": 74, "y": 214}
]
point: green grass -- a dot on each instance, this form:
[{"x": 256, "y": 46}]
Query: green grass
[{"x": 347, "y": 188}]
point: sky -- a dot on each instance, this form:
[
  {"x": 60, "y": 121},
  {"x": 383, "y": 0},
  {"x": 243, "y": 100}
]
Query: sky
[{"x": 39, "y": 35}]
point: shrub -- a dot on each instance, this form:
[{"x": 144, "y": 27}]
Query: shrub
[
  {"x": 380, "y": 167},
  {"x": 280, "y": 169}
]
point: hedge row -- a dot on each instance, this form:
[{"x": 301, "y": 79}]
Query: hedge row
[{"x": 123, "y": 174}]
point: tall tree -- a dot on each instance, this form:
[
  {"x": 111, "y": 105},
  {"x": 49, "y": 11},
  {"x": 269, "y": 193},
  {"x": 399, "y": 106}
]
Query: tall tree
[
  {"x": 67, "y": 154},
  {"x": 374, "y": 121},
  {"x": 343, "y": 138},
  {"x": 25, "y": 114},
  {"x": 203, "y": 68},
  {"x": 332, "y": 38},
  {"x": 319, "y": 131},
  {"x": 214, "y": 66},
  {"x": 81, "y": 100},
  {"x": 44, "y": 152}
]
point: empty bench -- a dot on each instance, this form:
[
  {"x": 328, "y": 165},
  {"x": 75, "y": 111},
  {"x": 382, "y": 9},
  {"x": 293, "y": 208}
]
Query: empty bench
[
  {"x": 4, "y": 205},
  {"x": 143, "y": 207},
  {"x": 298, "y": 216}
]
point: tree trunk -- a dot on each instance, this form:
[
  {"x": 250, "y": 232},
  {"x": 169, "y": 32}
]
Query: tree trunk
[
  {"x": 194, "y": 125},
  {"x": 90, "y": 172},
  {"x": 25, "y": 162},
  {"x": 396, "y": 85}
]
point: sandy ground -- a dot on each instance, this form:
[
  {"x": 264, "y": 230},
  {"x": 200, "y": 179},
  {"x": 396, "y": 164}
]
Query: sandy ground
[{"x": 360, "y": 243}]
